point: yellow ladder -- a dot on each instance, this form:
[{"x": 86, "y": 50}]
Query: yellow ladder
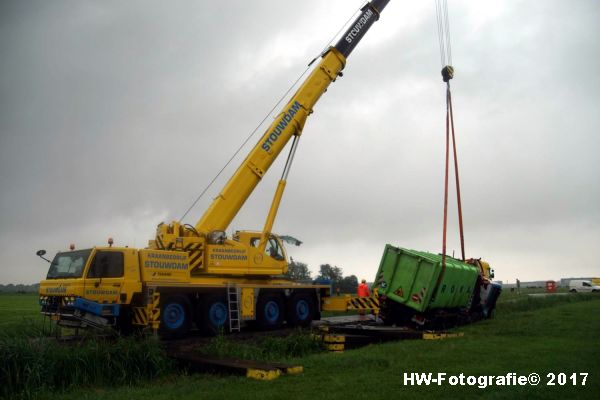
[{"x": 233, "y": 306}]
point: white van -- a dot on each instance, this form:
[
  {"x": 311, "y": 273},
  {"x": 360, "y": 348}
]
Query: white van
[{"x": 580, "y": 285}]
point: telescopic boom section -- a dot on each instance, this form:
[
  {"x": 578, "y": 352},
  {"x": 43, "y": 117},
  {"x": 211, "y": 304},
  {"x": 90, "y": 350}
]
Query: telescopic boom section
[{"x": 287, "y": 124}]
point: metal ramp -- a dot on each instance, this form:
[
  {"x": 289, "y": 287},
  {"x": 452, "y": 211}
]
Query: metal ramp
[{"x": 233, "y": 306}]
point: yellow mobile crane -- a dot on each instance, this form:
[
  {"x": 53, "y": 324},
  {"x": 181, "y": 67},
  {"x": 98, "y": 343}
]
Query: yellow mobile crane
[{"x": 196, "y": 274}]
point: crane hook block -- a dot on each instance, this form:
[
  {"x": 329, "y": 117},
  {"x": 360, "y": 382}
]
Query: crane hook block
[{"x": 447, "y": 73}]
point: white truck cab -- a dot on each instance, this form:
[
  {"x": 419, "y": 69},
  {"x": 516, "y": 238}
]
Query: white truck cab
[{"x": 581, "y": 285}]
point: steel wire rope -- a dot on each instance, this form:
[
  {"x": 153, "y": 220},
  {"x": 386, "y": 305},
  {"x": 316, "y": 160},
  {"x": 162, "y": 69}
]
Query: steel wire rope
[
  {"x": 447, "y": 24},
  {"x": 443, "y": 30},
  {"x": 284, "y": 96},
  {"x": 440, "y": 33}
]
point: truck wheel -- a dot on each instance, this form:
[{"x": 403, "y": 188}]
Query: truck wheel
[
  {"x": 175, "y": 316},
  {"x": 300, "y": 310},
  {"x": 269, "y": 312},
  {"x": 214, "y": 315},
  {"x": 573, "y": 291}
]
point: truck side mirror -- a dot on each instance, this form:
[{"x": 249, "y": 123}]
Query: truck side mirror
[{"x": 40, "y": 254}]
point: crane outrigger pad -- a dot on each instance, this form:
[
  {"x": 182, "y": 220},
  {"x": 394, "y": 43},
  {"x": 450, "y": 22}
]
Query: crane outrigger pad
[{"x": 249, "y": 368}]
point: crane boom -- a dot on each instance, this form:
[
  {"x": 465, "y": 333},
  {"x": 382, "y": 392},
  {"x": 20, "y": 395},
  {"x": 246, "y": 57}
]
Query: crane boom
[
  {"x": 288, "y": 123},
  {"x": 209, "y": 249}
]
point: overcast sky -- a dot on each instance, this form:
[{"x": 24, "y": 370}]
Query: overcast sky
[{"x": 115, "y": 115}]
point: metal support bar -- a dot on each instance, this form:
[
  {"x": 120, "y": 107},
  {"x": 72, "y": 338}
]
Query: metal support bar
[{"x": 277, "y": 196}]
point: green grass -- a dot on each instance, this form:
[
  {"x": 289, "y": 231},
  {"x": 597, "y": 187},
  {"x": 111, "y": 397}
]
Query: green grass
[
  {"x": 16, "y": 308},
  {"x": 546, "y": 335},
  {"x": 265, "y": 348},
  {"x": 29, "y": 366},
  {"x": 554, "y": 334},
  {"x": 32, "y": 362}
]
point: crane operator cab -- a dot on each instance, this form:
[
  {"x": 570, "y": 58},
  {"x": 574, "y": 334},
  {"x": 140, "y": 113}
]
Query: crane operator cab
[
  {"x": 272, "y": 257},
  {"x": 243, "y": 254}
]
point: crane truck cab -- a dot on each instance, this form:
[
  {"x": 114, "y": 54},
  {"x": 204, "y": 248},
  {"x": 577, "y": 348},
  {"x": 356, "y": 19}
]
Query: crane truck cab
[{"x": 96, "y": 280}]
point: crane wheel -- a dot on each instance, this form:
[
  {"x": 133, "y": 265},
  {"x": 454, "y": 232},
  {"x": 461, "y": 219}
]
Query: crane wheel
[
  {"x": 214, "y": 315},
  {"x": 175, "y": 316},
  {"x": 269, "y": 310},
  {"x": 301, "y": 310}
]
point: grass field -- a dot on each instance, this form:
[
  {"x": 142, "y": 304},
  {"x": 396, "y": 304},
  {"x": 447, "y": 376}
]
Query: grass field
[
  {"x": 15, "y": 308},
  {"x": 557, "y": 334},
  {"x": 18, "y": 311}
]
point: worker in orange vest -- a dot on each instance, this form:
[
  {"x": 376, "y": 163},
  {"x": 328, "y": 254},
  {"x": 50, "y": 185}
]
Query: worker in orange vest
[{"x": 363, "y": 291}]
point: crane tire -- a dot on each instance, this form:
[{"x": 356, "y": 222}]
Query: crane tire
[
  {"x": 269, "y": 312},
  {"x": 300, "y": 310},
  {"x": 214, "y": 314},
  {"x": 175, "y": 316}
]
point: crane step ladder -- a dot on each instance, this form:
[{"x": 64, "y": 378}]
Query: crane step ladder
[{"x": 233, "y": 306}]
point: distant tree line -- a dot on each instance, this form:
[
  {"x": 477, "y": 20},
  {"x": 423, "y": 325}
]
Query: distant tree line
[
  {"x": 19, "y": 288},
  {"x": 299, "y": 271}
]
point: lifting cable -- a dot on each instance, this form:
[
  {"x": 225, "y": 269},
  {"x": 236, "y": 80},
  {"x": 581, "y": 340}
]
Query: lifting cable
[
  {"x": 283, "y": 97},
  {"x": 243, "y": 144},
  {"x": 443, "y": 28}
]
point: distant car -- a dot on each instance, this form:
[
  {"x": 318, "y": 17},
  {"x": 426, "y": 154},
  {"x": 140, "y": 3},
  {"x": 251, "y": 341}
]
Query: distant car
[{"x": 580, "y": 285}]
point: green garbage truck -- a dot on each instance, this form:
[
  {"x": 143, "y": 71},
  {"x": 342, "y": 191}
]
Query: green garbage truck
[{"x": 421, "y": 288}]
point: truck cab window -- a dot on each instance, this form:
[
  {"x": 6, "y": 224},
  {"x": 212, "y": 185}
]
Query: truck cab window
[
  {"x": 68, "y": 264},
  {"x": 106, "y": 264}
]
